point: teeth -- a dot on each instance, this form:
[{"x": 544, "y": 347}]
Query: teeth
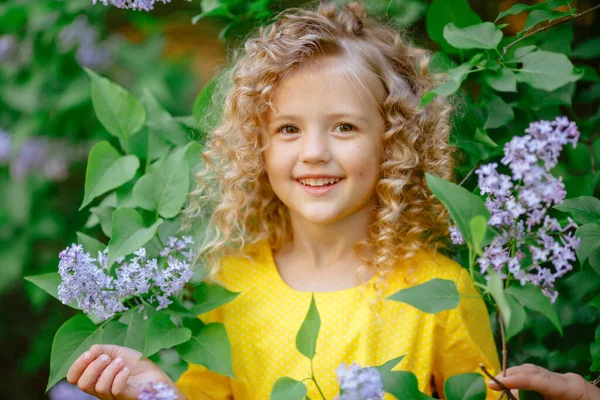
[{"x": 319, "y": 181}]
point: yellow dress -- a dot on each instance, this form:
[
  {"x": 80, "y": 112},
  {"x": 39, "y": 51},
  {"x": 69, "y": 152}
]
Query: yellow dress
[{"x": 263, "y": 320}]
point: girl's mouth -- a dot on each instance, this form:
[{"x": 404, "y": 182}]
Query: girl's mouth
[{"x": 319, "y": 186}]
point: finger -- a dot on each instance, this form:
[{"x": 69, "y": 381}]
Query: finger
[
  {"x": 111, "y": 350},
  {"x": 522, "y": 369},
  {"x": 516, "y": 370},
  {"x": 90, "y": 376},
  {"x": 544, "y": 383},
  {"x": 120, "y": 383},
  {"x": 105, "y": 382},
  {"x": 79, "y": 366}
]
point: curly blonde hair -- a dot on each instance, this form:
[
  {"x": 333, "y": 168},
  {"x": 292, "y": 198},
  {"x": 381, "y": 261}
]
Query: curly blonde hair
[{"x": 234, "y": 198}]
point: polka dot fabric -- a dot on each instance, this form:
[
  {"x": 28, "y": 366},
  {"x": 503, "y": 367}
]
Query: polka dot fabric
[{"x": 263, "y": 320}]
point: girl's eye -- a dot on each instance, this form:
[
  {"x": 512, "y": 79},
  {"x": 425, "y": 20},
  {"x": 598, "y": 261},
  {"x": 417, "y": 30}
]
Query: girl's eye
[
  {"x": 348, "y": 126},
  {"x": 284, "y": 132},
  {"x": 345, "y": 128}
]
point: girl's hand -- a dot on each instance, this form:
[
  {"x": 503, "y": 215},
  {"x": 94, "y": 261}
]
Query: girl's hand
[
  {"x": 549, "y": 384},
  {"x": 112, "y": 372}
]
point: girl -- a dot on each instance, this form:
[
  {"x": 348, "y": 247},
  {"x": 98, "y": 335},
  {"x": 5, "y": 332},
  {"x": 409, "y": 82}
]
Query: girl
[{"x": 317, "y": 174}]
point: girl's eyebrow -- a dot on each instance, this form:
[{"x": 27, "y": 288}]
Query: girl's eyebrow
[{"x": 330, "y": 116}]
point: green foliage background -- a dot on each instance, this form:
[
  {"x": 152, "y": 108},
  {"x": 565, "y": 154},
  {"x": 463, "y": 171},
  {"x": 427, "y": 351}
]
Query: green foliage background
[{"x": 49, "y": 94}]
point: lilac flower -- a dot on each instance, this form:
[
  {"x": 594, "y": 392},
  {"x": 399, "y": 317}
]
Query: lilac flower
[
  {"x": 82, "y": 280},
  {"x": 40, "y": 155},
  {"x": 518, "y": 205},
  {"x": 91, "y": 52},
  {"x": 86, "y": 280},
  {"x": 63, "y": 390},
  {"x": 157, "y": 391},
  {"x": 99, "y": 56},
  {"x": 77, "y": 33},
  {"x": 5, "y": 145},
  {"x": 456, "y": 236},
  {"x": 358, "y": 383},
  {"x": 143, "y": 5},
  {"x": 8, "y": 47}
]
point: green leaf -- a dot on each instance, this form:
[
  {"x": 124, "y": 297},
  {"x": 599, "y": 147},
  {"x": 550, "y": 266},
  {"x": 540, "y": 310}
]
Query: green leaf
[
  {"x": 468, "y": 386},
  {"x": 590, "y": 240},
  {"x": 478, "y": 226},
  {"x": 209, "y": 346},
  {"x": 546, "y": 70},
  {"x": 161, "y": 123},
  {"x": 482, "y": 136},
  {"x": 164, "y": 189},
  {"x": 532, "y": 297},
  {"x": 588, "y": 50},
  {"x": 522, "y": 52},
  {"x": 594, "y": 259},
  {"x": 115, "y": 332},
  {"x": 536, "y": 17},
  {"x": 441, "y": 12},
  {"x": 480, "y": 36},
  {"x": 49, "y": 283},
  {"x": 457, "y": 76},
  {"x": 496, "y": 289},
  {"x": 75, "y": 337},
  {"x": 389, "y": 365},
  {"x": 529, "y": 395},
  {"x": 90, "y": 245},
  {"x": 503, "y": 80},
  {"x": 499, "y": 113},
  {"x": 306, "y": 339},
  {"x": 106, "y": 170},
  {"x": 433, "y": 296},
  {"x": 128, "y": 233},
  {"x": 462, "y": 204},
  {"x": 519, "y": 8},
  {"x": 137, "y": 323},
  {"x": 595, "y": 302},
  {"x": 403, "y": 385},
  {"x": 584, "y": 209},
  {"x": 215, "y": 10},
  {"x": 288, "y": 389},
  {"x": 203, "y": 103},
  {"x": 118, "y": 110},
  {"x": 517, "y": 317},
  {"x": 209, "y": 296},
  {"x": 161, "y": 333}
]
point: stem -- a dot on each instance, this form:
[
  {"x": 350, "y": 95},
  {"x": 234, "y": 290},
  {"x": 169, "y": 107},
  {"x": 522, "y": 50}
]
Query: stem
[
  {"x": 500, "y": 384},
  {"x": 470, "y": 173},
  {"x": 312, "y": 373},
  {"x": 561, "y": 21},
  {"x": 504, "y": 349}
]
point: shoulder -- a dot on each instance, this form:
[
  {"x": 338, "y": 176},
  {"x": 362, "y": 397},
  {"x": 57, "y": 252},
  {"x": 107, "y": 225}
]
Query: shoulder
[{"x": 238, "y": 270}]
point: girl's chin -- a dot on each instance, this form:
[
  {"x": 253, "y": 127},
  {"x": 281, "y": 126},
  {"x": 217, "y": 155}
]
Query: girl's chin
[{"x": 320, "y": 217}]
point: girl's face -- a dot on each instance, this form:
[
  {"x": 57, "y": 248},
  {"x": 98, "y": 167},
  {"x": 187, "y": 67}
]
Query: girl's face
[{"x": 322, "y": 159}]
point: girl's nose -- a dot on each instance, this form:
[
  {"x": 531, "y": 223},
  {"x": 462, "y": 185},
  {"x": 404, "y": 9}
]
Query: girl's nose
[{"x": 315, "y": 148}]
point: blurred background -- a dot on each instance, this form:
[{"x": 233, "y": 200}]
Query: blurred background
[{"x": 47, "y": 126}]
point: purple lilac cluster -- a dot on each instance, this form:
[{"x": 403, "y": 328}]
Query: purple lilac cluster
[
  {"x": 8, "y": 47},
  {"x": 142, "y": 5},
  {"x": 87, "y": 280},
  {"x": 63, "y": 390},
  {"x": 157, "y": 391},
  {"x": 519, "y": 206},
  {"x": 42, "y": 155},
  {"x": 91, "y": 52},
  {"x": 358, "y": 383}
]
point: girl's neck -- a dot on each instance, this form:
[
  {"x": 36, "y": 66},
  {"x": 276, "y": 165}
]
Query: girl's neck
[{"x": 323, "y": 246}]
